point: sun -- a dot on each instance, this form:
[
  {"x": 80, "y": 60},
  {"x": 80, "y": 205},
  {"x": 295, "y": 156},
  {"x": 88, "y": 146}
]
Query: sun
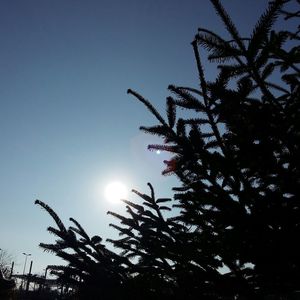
[{"x": 115, "y": 191}]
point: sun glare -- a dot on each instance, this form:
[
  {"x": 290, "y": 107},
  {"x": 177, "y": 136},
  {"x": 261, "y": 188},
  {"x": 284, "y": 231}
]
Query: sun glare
[{"x": 115, "y": 191}]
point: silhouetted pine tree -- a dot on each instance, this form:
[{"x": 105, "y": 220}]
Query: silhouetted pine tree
[
  {"x": 237, "y": 158},
  {"x": 166, "y": 253},
  {"x": 92, "y": 269}
]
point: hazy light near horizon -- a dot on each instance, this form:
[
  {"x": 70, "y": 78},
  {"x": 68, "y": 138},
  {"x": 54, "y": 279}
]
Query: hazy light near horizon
[{"x": 115, "y": 191}]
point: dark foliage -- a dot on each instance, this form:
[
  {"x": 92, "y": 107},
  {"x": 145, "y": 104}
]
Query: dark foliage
[
  {"x": 235, "y": 236},
  {"x": 89, "y": 261}
]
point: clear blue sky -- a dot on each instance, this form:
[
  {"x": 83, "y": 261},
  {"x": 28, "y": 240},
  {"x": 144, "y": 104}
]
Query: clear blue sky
[{"x": 67, "y": 126}]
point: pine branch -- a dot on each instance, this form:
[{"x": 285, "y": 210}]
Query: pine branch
[
  {"x": 263, "y": 27},
  {"x": 149, "y": 106},
  {"x": 54, "y": 216},
  {"x": 228, "y": 23}
]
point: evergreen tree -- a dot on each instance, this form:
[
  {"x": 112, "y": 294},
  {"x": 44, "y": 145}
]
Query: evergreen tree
[
  {"x": 92, "y": 269},
  {"x": 237, "y": 160}
]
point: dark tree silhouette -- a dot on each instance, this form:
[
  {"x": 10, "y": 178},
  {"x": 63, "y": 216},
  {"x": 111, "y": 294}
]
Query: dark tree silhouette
[
  {"x": 236, "y": 154},
  {"x": 6, "y": 260},
  {"x": 92, "y": 269},
  {"x": 6, "y": 283}
]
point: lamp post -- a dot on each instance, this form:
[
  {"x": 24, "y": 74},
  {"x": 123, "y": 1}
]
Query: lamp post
[
  {"x": 46, "y": 270},
  {"x": 45, "y": 278},
  {"x": 26, "y": 256}
]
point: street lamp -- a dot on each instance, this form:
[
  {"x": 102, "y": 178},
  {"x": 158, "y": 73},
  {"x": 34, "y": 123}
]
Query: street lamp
[{"x": 26, "y": 256}]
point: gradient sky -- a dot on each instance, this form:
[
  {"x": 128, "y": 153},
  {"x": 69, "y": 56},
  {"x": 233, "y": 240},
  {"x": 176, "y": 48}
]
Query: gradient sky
[{"x": 67, "y": 126}]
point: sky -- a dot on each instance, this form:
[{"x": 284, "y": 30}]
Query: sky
[{"x": 67, "y": 126}]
